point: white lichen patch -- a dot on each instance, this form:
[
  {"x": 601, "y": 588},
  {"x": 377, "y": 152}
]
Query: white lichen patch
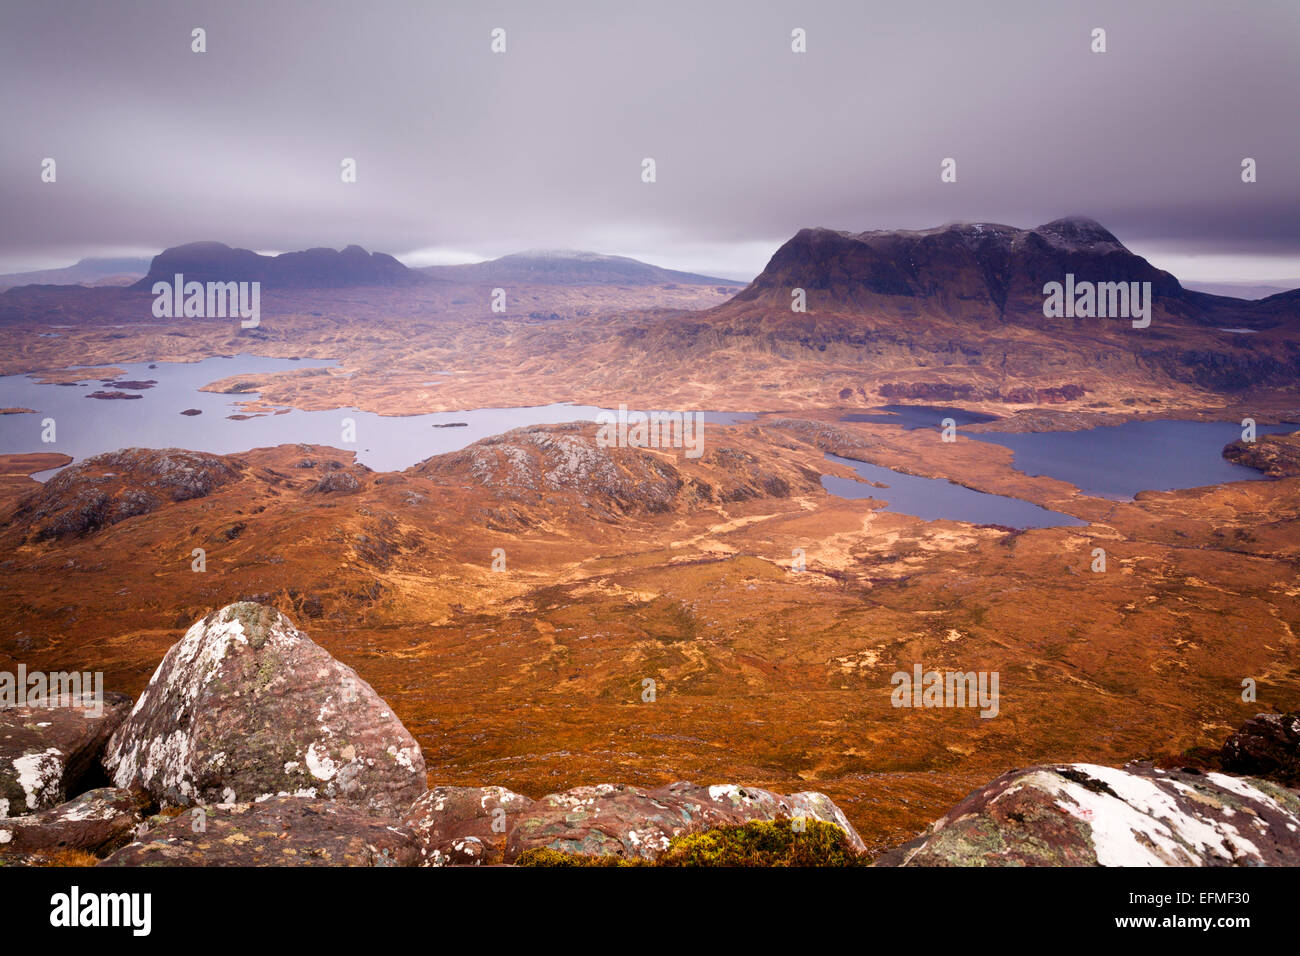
[
  {"x": 402, "y": 756},
  {"x": 319, "y": 763},
  {"x": 1142, "y": 824},
  {"x": 86, "y": 810},
  {"x": 1243, "y": 789},
  {"x": 307, "y": 793},
  {"x": 40, "y": 774}
]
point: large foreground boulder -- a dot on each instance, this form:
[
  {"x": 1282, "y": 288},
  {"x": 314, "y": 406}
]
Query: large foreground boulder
[
  {"x": 97, "y": 822},
  {"x": 464, "y": 826},
  {"x": 627, "y": 821},
  {"x": 1267, "y": 745},
  {"x": 280, "y": 831},
  {"x": 246, "y": 707},
  {"x": 46, "y": 748},
  {"x": 1087, "y": 815}
]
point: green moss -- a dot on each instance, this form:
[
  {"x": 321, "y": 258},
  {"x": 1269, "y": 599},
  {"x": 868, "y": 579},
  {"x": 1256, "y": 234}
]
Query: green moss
[
  {"x": 758, "y": 843},
  {"x": 257, "y": 620},
  {"x": 545, "y": 856},
  {"x": 764, "y": 843}
]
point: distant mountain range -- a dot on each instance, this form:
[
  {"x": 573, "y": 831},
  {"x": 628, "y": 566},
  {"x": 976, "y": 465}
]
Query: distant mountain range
[
  {"x": 91, "y": 271},
  {"x": 568, "y": 267},
  {"x": 354, "y": 266},
  {"x": 1243, "y": 290},
  {"x": 983, "y": 271},
  {"x": 311, "y": 269}
]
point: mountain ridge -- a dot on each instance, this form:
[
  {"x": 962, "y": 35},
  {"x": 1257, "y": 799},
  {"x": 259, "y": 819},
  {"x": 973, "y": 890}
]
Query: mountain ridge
[
  {"x": 318, "y": 267},
  {"x": 985, "y": 271},
  {"x": 572, "y": 267},
  {"x": 91, "y": 270}
]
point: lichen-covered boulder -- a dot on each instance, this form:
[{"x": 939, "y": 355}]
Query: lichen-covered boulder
[
  {"x": 1087, "y": 815},
  {"x": 729, "y": 803},
  {"x": 457, "y": 826},
  {"x": 46, "y": 748},
  {"x": 98, "y": 821},
  {"x": 1267, "y": 745},
  {"x": 601, "y": 820},
  {"x": 246, "y": 706},
  {"x": 627, "y": 821},
  {"x": 279, "y": 831}
]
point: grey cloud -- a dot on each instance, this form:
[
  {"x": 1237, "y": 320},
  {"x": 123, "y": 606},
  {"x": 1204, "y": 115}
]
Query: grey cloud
[{"x": 541, "y": 146}]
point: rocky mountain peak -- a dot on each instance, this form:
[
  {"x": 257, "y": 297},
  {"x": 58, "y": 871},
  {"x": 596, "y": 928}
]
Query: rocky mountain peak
[
  {"x": 1079, "y": 232},
  {"x": 987, "y": 272},
  {"x": 318, "y": 267}
]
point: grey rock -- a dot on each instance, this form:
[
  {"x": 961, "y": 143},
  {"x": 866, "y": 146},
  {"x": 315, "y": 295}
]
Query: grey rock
[
  {"x": 45, "y": 751},
  {"x": 97, "y": 822},
  {"x": 280, "y": 831},
  {"x": 464, "y": 825},
  {"x": 632, "y": 822},
  {"x": 246, "y": 707},
  {"x": 1087, "y": 815}
]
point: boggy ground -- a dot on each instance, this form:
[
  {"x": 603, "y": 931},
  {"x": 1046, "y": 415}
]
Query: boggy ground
[
  {"x": 438, "y": 347},
  {"x": 624, "y": 565}
]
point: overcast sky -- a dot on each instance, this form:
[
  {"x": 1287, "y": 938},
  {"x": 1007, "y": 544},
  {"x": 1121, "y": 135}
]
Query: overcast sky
[{"x": 463, "y": 154}]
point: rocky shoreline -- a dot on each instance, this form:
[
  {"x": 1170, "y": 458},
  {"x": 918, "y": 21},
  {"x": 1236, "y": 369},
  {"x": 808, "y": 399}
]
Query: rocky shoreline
[{"x": 253, "y": 746}]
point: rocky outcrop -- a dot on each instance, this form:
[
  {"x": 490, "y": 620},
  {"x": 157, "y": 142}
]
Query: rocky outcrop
[
  {"x": 280, "y": 831},
  {"x": 627, "y": 821},
  {"x": 568, "y": 465},
  {"x": 464, "y": 825},
  {"x": 46, "y": 751},
  {"x": 1087, "y": 815},
  {"x": 247, "y": 707},
  {"x": 106, "y": 489},
  {"x": 1277, "y": 456},
  {"x": 343, "y": 482},
  {"x": 98, "y": 821},
  {"x": 1267, "y": 745}
]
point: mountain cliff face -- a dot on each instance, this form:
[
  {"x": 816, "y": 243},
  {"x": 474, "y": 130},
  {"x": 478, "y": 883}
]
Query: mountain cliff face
[
  {"x": 982, "y": 271},
  {"x": 312, "y": 268},
  {"x": 962, "y": 306}
]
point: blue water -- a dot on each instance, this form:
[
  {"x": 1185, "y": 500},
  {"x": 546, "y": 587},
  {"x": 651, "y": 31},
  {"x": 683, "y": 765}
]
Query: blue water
[
  {"x": 1118, "y": 461},
  {"x": 86, "y": 426},
  {"x": 934, "y": 498},
  {"x": 1114, "y": 461},
  {"x": 912, "y": 417}
]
